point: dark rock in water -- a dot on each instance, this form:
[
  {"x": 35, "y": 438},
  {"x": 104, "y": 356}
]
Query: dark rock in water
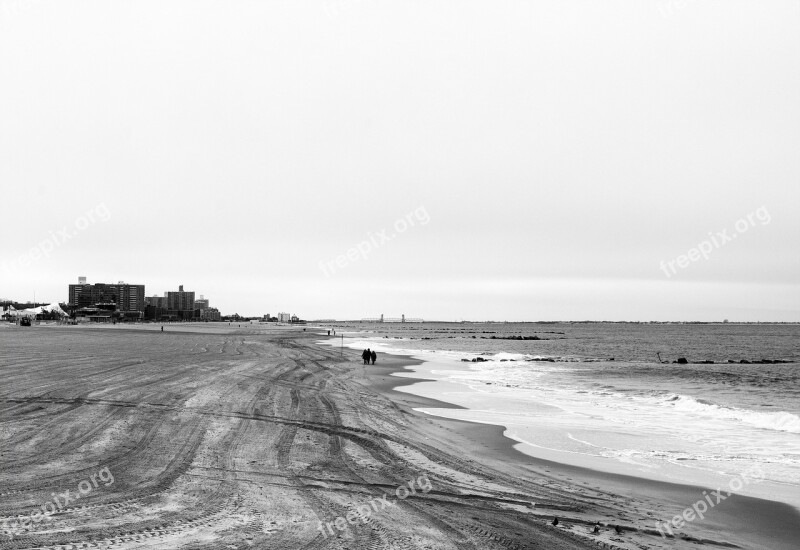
[
  {"x": 465, "y": 360},
  {"x": 744, "y": 362},
  {"x": 682, "y": 361},
  {"x": 731, "y": 361},
  {"x": 705, "y": 362},
  {"x": 611, "y": 359},
  {"x": 481, "y": 359}
]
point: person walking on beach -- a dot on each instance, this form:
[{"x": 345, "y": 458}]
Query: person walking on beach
[
  {"x": 373, "y": 356},
  {"x": 365, "y": 355},
  {"x": 162, "y": 328}
]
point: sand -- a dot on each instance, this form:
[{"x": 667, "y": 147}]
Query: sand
[{"x": 258, "y": 437}]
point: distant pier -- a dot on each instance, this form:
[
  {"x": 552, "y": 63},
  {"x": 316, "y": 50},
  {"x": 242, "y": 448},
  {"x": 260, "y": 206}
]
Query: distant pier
[{"x": 401, "y": 319}]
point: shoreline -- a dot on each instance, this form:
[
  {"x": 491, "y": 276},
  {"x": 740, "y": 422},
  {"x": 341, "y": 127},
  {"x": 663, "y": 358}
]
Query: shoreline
[{"x": 739, "y": 520}]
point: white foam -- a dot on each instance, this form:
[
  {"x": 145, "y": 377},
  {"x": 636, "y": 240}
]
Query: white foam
[{"x": 780, "y": 421}]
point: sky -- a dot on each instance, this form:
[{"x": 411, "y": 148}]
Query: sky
[{"x": 446, "y": 160}]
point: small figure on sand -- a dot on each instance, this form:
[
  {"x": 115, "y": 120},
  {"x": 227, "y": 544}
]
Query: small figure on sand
[
  {"x": 555, "y": 521},
  {"x": 162, "y": 328},
  {"x": 329, "y": 333},
  {"x": 365, "y": 355},
  {"x": 373, "y": 356}
]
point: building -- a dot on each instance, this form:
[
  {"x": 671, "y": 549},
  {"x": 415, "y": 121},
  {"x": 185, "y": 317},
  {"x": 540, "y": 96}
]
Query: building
[
  {"x": 201, "y": 303},
  {"x": 155, "y": 307},
  {"x": 180, "y": 305},
  {"x": 124, "y": 296},
  {"x": 156, "y": 301},
  {"x": 284, "y": 317},
  {"x": 210, "y": 314},
  {"x": 182, "y": 300}
]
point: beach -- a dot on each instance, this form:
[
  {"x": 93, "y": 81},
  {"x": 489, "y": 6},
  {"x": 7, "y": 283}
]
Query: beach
[{"x": 211, "y": 435}]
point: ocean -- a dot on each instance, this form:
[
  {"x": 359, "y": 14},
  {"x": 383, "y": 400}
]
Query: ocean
[{"x": 609, "y": 396}]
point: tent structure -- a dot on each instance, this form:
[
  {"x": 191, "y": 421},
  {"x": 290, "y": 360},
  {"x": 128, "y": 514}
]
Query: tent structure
[{"x": 34, "y": 311}]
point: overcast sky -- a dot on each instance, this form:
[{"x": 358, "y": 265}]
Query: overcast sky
[{"x": 448, "y": 160}]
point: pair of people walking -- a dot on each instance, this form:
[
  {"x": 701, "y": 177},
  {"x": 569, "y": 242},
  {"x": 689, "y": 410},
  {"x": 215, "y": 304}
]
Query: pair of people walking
[{"x": 368, "y": 355}]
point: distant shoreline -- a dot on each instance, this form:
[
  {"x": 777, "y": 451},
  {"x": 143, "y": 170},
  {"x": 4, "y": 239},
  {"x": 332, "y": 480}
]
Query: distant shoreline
[{"x": 358, "y": 321}]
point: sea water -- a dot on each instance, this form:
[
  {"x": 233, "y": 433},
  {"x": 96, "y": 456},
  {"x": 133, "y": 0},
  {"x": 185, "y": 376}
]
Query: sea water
[{"x": 609, "y": 396}]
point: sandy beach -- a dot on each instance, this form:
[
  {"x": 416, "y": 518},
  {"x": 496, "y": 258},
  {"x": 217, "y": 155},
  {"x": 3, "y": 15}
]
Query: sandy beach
[{"x": 217, "y": 436}]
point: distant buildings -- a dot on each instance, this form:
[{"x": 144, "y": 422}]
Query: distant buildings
[
  {"x": 284, "y": 317},
  {"x": 122, "y": 301},
  {"x": 125, "y": 299},
  {"x": 207, "y": 313},
  {"x": 210, "y": 314},
  {"x": 156, "y": 301},
  {"x": 201, "y": 303},
  {"x": 155, "y": 307},
  {"x": 181, "y": 300},
  {"x": 173, "y": 306}
]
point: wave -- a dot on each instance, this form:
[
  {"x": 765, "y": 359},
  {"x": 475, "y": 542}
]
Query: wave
[{"x": 778, "y": 421}]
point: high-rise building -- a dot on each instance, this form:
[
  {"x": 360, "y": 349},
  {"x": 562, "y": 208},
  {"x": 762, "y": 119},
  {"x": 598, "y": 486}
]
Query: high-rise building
[
  {"x": 126, "y": 297},
  {"x": 201, "y": 303},
  {"x": 181, "y": 300}
]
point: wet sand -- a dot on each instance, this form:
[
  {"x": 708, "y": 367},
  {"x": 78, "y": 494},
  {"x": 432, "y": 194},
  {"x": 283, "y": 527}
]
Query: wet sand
[{"x": 222, "y": 436}]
